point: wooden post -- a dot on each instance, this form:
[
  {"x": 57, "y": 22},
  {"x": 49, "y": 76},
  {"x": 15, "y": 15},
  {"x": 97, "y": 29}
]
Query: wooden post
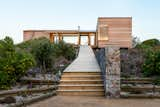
[
  {"x": 51, "y": 37},
  {"x": 59, "y": 37},
  {"x": 95, "y": 39},
  {"x": 89, "y": 39},
  {"x": 79, "y": 39}
]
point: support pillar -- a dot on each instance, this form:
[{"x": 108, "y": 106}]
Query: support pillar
[
  {"x": 51, "y": 37},
  {"x": 89, "y": 39},
  {"x": 59, "y": 37},
  {"x": 79, "y": 39},
  {"x": 95, "y": 40},
  {"x": 112, "y": 72}
]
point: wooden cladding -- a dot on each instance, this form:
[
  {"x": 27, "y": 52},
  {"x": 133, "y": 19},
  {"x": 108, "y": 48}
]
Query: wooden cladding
[
  {"x": 117, "y": 30},
  {"x": 111, "y": 31}
]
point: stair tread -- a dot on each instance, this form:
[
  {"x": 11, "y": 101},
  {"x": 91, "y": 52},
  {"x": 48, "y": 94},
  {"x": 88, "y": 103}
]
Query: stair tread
[
  {"x": 83, "y": 85},
  {"x": 79, "y": 80},
  {"x": 81, "y": 71},
  {"x": 101, "y": 90},
  {"x": 81, "y": 75}
]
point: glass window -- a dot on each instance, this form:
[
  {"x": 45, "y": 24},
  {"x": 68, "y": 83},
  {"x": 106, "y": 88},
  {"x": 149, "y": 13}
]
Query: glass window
[{"x": 70, "y": 39}]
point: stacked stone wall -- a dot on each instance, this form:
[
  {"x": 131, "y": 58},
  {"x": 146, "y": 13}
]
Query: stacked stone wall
[{"x": 109, "y": 62}]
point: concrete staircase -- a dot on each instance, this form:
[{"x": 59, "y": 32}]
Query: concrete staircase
[
  {"x": 81, "y": 83},
  {"x": 83, "y": 76}
]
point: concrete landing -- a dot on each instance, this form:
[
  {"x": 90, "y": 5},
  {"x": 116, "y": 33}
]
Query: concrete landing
[{"x": 85, "y": 62}]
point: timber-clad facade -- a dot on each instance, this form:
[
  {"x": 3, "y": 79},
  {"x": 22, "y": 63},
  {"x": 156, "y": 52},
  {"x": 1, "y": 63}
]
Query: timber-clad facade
[{"x": 110, "y": 31}]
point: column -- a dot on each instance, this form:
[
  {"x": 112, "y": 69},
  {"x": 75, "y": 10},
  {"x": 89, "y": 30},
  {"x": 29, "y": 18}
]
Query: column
[
  {"x": 112, "y": 72},
  {"x": 79, "y": 39},
  {"x": 89, "y": 39},
  {"x": 60, "y": 37},
  {"x": 95, "y": 39},
  {"x": 51, "y": 37}
]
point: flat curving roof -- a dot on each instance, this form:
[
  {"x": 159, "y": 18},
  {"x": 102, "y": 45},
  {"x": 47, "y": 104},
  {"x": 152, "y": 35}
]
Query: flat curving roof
[{"x": 62, "y": 31}]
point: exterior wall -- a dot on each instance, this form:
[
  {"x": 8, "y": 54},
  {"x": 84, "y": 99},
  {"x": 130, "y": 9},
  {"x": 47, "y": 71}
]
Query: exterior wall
[
  {"x": 27, "y": 35},
  {"x": 114, "y": 31}
]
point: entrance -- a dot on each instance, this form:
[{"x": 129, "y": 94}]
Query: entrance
[{"x": 84, "y": 40}]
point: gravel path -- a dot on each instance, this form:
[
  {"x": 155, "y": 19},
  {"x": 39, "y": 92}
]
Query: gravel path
[{"x": 77, "y": 101}]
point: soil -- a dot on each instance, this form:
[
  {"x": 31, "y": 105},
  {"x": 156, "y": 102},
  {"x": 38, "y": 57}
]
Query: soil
[{"x": 77, "y": 101}]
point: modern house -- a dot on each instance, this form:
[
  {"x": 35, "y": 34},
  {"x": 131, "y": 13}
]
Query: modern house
[{"x": 110, "y": 31}]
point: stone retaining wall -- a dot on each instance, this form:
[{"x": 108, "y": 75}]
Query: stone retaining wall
[
  {"x": 109, "y": 62},
  {"x": 112, "y": 72}
]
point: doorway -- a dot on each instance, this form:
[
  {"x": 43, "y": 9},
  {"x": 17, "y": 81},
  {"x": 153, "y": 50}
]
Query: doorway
[{"x": 84, "y": 40}]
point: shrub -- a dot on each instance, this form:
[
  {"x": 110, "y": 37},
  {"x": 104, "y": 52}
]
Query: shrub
[
  {"x": 66, "y": 50},
  {"x": 4, "y": 80},
  {"x": 151, "y": 66},
  {"x": 31, "y": 44},
  {"x": 13, "y": 64},
  {"x": 151, "y": 42},
  {"x": 44, "y": 55}
]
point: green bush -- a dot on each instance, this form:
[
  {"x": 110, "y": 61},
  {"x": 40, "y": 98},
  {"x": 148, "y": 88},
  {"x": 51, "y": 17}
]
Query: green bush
[
  {"x": 4, "y": 80},
  {"x": 31, "y": 44},
  {"x": 13, "y": 64},
  {"x": 151, "y": 66},
  {"x": 64, "y": 49},
  {"x": 151, "y": 43},
  {"x": 44, "y": 55}
]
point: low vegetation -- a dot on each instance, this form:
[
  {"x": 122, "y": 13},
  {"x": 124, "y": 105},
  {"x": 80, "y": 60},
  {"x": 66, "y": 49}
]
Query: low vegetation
[
  {"x": 16, "y": 60},
  {"x": 143, "y": 60},
  {"x": 13, "y": 63}
]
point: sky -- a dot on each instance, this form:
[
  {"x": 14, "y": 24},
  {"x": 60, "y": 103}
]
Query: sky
[{"x": 19, "y": 15}]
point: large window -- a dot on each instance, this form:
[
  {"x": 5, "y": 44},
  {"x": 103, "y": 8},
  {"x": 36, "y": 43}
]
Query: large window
[
  {"x": 92, "y": 40},
  {"x": 70, "y": 39},
  {"x": 84, "y": 40}
]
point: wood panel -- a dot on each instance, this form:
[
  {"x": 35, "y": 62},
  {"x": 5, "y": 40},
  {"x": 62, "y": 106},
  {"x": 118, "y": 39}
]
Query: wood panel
[{"x": 119, "y": 32}]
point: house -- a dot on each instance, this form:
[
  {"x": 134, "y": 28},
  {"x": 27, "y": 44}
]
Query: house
[{"x": 110, "y": 31}]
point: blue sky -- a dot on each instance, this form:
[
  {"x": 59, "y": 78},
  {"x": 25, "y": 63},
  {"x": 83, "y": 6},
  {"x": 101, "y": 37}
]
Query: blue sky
[{"x": 19, "y": 15}]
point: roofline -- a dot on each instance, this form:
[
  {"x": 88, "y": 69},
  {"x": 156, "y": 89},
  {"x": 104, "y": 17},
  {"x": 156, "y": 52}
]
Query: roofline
[
  {"x": 114, "y": 17},
  {"x": 61, "y": 31}
]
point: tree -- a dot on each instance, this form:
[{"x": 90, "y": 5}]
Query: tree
[
  {"x": 151, "y": 42},
  {"x": 64, "y": 49},
  {"x": 151, "y": 66},
  {"x": 44, "y": 55},
  {"x": 13, "y": 64},
  {"x": 135, "y": 41}
]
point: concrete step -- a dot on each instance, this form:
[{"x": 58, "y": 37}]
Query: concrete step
[
  {"x": 81, "y": 92},
  {"x": 81, "y": 87},
  {"x": 82, "y": 73},
  {"x": 67, "y": 82},
  {"x": 81, "y": 77}
]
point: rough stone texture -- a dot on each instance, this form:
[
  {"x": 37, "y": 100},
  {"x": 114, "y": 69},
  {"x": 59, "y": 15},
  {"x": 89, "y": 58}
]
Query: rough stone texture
[
  {"x": 101, "y": 59},
  {"x": 112, "y": 72},
  {"x": 131, "y": 62}
]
